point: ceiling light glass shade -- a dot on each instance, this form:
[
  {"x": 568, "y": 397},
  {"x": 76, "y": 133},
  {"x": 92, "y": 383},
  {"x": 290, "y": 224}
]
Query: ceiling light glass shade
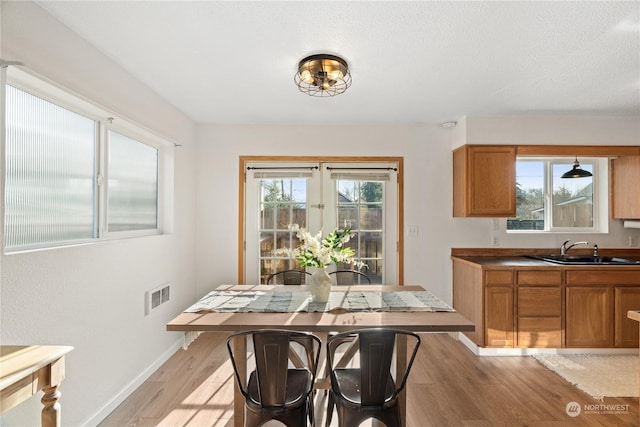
[
  {"x": 323, "y": 75},
  {"x": 576, "y": 172}
]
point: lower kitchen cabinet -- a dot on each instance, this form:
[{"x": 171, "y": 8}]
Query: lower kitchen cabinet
[
  {"x": 499, "y": 316},
  {"x": 589, "y": 316},
  {"x": 626, "y": 330},
  {"x": 538, "y": 308},
  {"x": 539, "y": 319},
  {"x": 551, "y": 307},
  {"x": 596, "y": 308}
]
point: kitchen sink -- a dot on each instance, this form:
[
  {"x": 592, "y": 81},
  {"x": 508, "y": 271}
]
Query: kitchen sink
[{"x": 585, "y": 260}]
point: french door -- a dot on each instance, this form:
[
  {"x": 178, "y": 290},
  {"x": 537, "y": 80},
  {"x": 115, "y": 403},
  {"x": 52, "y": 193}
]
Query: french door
[{"x": 321, "y": 196}]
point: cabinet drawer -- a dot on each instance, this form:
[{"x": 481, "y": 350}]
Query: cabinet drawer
[
  {"x": 551, "y": 278},
  {"x": 498, "y": 277},
  {"x": 539, "y": 332},
  {"x": 539, "y": 301},
  {"x": 612, "y": 277}
]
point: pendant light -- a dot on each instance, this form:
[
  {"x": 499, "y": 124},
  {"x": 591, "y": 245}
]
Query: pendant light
[{"x": 576, "y": 172}]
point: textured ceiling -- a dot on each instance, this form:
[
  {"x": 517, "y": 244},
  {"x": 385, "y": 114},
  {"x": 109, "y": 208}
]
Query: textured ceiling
[{"x": 411, "y": 62}]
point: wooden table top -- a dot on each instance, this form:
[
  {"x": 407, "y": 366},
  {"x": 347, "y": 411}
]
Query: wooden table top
[
  {"x": 18, "y": 361},
  {"x": 417, "y": 321}
]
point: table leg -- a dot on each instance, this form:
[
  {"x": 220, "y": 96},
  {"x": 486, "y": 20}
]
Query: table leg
[
  {"x": 51, "y": 410},
  {"x": 322, "y": 372},
  {"x": 239, "y": 348},
  {"x": 50, "y": 378}
]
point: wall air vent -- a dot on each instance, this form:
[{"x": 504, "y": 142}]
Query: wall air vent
[{"x": 156, "y": 297}]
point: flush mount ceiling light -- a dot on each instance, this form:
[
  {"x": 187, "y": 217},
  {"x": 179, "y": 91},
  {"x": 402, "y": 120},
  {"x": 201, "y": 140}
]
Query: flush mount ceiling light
[
  {"x": 576, "y": 172},
  {"x": 323, "y": 75}
]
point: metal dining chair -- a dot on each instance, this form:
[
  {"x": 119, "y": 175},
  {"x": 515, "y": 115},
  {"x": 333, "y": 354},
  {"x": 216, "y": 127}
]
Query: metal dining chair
[
  {"x": 287, "y": 277},
  {"x": 278, "y": 388},
  {"x": 350, "y": 277},
  {"x": 369, "y": 389}
]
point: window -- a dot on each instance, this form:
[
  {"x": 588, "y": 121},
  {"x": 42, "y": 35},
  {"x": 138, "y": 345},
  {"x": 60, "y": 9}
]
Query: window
[
  {"x": 72, "y": 176},
  {"x": 546, "y": 202},
  {"x": 49, "y": 172},
  {"x": 132, "y": 187}
]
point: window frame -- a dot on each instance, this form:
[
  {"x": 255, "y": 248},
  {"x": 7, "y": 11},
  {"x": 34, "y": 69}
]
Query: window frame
[
  {"x": 105, "y": 121},
  {"x": 599, "y": 197}
]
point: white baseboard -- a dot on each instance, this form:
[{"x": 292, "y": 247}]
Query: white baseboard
[
  {"x": 486, "y": 351},
  {"x": 103, "y": 412}
]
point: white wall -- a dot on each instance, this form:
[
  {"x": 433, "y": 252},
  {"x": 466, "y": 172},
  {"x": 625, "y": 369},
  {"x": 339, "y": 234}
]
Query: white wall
[
  {"x": 92, "y": 297},
  {"x": 428, "y": 182}
]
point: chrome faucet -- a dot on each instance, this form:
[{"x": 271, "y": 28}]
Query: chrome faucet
[{"x": 564, "y": 249}]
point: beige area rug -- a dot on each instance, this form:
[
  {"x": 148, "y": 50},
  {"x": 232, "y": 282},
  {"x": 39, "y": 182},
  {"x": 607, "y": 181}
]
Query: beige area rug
[{"x": 598, "y": 375}]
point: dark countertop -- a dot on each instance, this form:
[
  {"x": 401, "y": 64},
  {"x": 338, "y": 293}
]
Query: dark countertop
[{"x": 523, "y": 261}]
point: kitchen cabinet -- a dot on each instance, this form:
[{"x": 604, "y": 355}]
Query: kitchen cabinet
[
  {"x": 519, "y": 307},
  {"x": 626, "y": 330},
  {"x": 597, "y": 303},
  {"x": 625, "y": 187},
  {"x": 498, "y": 308},
  {"x": 589, "y": 315},
  {"x": 539, "y": 308},
  {"x": 546, "y": 306},
  {"x": 486, "y": 298},
  {"x": 484, "y": 181}
]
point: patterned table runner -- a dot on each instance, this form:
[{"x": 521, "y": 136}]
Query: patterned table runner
[{"x": 300, "y": 301}]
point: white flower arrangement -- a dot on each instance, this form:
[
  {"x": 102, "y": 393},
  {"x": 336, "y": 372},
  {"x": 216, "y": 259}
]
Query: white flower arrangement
[{"x": 314, "y": 251}]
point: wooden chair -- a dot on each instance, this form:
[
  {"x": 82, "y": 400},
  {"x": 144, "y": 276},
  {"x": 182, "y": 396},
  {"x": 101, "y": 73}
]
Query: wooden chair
[
  {"x": 369, "y": 390},
  {"x": 278, "y": 389},
  {"x": 287, "y": 277},
  {"x": 350, "y": 277}
]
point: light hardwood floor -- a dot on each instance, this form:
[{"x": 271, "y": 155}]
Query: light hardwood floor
[{"x": 449, "y": 386}]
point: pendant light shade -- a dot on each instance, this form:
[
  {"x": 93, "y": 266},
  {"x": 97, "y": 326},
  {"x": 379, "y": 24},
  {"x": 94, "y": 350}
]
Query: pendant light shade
[
  {"x": 323, "y": 75},
  {"x": 576, "y": 172}
]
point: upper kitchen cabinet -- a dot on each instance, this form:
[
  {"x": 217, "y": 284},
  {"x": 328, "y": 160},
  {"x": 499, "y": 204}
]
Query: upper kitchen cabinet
[
  {"x": 484, "y": 181},
  {"x": 625, "y": 187}
]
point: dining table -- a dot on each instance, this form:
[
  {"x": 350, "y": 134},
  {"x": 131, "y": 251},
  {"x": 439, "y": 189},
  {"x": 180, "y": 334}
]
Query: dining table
[{"x": 234, "y": 308}]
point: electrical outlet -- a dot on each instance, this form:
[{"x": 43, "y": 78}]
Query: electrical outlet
[
  {"x": 412, "y": 230},
  {"x": 633, "y": 241},
  {"x": 495, "y": 241}
]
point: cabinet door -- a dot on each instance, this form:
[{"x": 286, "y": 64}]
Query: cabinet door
[
  {"x": 498, "y": 307},
  {"x": 626, "y": 330},
  {"x": 589, "y": 316},
  {"x": 484, "y": 181},
  {"x": 626, "y": 187}
]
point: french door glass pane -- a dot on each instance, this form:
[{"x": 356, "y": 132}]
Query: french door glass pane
[
  {"x": 283, "y": 201},
  {"x": 133, "y": 185},
  {"x": 360, "y": 207},
  {"x": 572, "y": 198},
  {"x": 50, "y": 172}
]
